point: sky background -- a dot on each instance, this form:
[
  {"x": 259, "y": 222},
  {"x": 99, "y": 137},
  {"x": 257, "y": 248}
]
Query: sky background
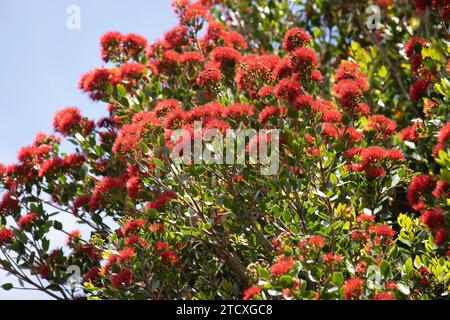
[{"x": 42, "y": 60}]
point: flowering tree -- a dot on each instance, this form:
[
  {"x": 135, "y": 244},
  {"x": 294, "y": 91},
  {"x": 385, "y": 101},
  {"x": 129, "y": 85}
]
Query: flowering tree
[{"x": 356, "y": 208}]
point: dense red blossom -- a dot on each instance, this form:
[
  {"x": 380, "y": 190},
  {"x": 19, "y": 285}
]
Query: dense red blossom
[
  {"x": 238, "y": 110},
  {"x": 382, "y": 126},
  {"x": 282, "y": 266},
  {"x": 66, "y": 120},
  {"x": 251, "y": 292},
  {"x": 302, "y": 102},
  {"x": 351, "y": 71},
  {"x": 123, "y": 278},
  {"x": 104, "y": 187},
  {"x": 226, "y": 57},
  {"x": 164, "y": 106},
  {"x": 132, "y": 226},
  {"x": 267, "y": 113},
  {"x": 95, "y": 83},
  {"x": 442, "y": 190},
  {"x": 444, "y": 134},
  {"x": 133, "y": 44},
  {"x": 433, "y": 219},
  {"x": 418, "y": 90},
  {"x": 287, "y": 89},
  {"x": 176, "y": 36},
  {"x": 209, "y": 77},
  {"x": 384, "y": 296},
  {"x": 303, "y": 60},
  {"x": 440, "y": 236},
  {"x": 295, "y": 37},
  {"x": 414, "y": 46},
  {"x": 125, "y": 254},
  {"x": 353, "y": 288},
  {"x": 92, "y": 275},
  {"x": 8, "y": 203},
  {"x": 162, "y": 200},
  {"x": 110, "y": 44},
  {"x": 6, "y": 236},
  {"x": 419, "y": 186},
  {"x": 26, "y": 220}
]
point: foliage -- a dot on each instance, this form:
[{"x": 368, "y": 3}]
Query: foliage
[{"x": 357, "y": 210}]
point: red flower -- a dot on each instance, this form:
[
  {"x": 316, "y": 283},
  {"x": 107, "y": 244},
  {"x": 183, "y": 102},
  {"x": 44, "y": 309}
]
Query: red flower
[
  {"x": 442, "y": 190},
  {"x": 235, "y": 40},
  {"x": 317, "y": 242},
  {"x": 349, "y": 94},
  {"x": 268, "y": 112},
  {"x": 8, "y": 203},
  {"x": 209, "y": 77},
  {"x": 418, "y": 187},
  {"x": 162, "y": 200},
  {"x": 92, "y": 275},
  {"x": 250, "y": 292},
  {"x": 238, "y": 110},
  {"x": 303, "y": 59},
  {"x": 133, "y": 44},
  {"x": 433, "y": 219},
  {"x": 176, "y": 36},
  {"x": 383, "y": 230},
  {"x": 6, "y": 236},
  {"x": 123, "y": 278},
  {"x": 131, "y": 71},
  {"x": 133, "y": 225},
  {"x": 353, "y": 288},
  {"x": 227, "y": 58},
  {"x": 395, "y": 155},
  {"x": 66, "y": 120},
  {"x": 27, "y": 220},
  {"x": 295, "y": 37},
  {"x": 170, "y": 258},
  {"x": 414, "y": 46},
  {"x": 373, "y": 155},
  {"x": 73, "y": 237},
  {"x": 191, "y": 57},
  {"x": 283, "y": 69},
  {"x": 288, "y": 90},
  {"x": 125, "y": 254},
  {"x": 440, "y": 236},
  {"x": 105, "y": 186},
  {"x": 95, "y": 83},
  {"x": 51, "y": 166},
  {"x": 384, "y": 296},
  {"x": 383, "y": 126},
  {"x": 421, "y": 5},
  {"x": 283, "y": 266},
  {"x": 331, "y": 258},
  {"x": 444, "y": 134},
  {"x": 110, "y": 45},
  {"x": 418, "y": 90},
  {"x": 134, "y": 188},
  {"x": 164, "y": 106},
  {"x": 303, "y": 102},
  {"x": 351, "y": 71}
]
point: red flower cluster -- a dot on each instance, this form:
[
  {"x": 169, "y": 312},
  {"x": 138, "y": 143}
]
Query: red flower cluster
[
  {"x": 27, "y": 220},
  {"x": 349, "y": 85},
  {"x": 353, "y": 288},
  {"x": 66, "y": 120},
  {"x": 419, "y": 187},
  {"x": 6, "y": 236}
]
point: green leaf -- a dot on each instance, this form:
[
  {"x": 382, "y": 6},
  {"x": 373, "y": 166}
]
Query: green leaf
[
  {"x": 7, "y": 286},
  {"x": 57, "y": 225},
  {"x": 121, "y": 90},
  {"x": 338, "y": 278}
]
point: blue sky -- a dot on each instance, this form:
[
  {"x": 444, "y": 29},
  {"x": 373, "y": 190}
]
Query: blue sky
[{"x": 42, "y": 60}]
